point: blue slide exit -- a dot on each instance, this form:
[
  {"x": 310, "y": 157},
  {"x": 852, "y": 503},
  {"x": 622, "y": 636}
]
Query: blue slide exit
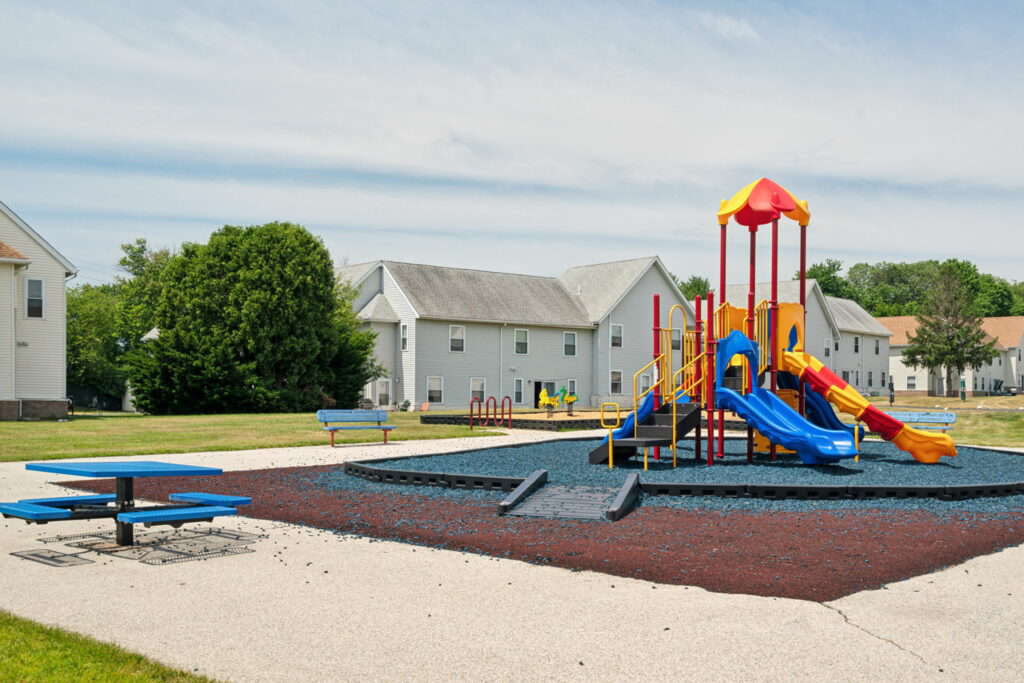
[
  {"x": 770, "y": 415},
  {"x": 819, "y": 410}
]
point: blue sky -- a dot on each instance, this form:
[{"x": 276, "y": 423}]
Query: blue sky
[{"x": 520, "y": 136}]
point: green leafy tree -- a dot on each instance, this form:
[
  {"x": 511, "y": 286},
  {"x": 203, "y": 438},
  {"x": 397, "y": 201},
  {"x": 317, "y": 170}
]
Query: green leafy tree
[
  {"x": 252, "y": 321},
  {"x": 1017, "y": 290},
  {"x": 692, "y": 286},
  {"x": 140, "y": 291},
  {"x": 830, "y": 279},
  {"x": 949, "y": 335},
  {"x": 995, "y": 296},
  {"x": 94, "y": 346}
]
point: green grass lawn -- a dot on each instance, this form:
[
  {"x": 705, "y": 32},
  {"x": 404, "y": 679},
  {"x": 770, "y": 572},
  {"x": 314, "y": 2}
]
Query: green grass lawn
[
  {"x": 981, "y": 420},
  {"x": 33, "y": 652},
  {"x": 125, "y": 434}
]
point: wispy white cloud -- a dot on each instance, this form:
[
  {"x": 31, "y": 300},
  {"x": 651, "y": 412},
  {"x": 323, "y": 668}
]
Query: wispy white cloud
[{"x": 437, "y": 130}]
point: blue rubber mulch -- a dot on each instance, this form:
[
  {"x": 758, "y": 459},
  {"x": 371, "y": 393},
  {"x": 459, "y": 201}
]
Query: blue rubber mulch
[{"x": 566, "y": 461}]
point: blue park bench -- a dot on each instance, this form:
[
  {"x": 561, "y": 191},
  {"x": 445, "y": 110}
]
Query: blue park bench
[
  {"x": 347, "y": 416},
  {"x": 925, "y": 420}
]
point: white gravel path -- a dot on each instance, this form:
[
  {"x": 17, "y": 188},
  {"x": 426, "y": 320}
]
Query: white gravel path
[{"x": 310, "y": 605}]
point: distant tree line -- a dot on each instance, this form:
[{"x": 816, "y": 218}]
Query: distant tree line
[
  {"x": 888, "y": 289},
  {"x": 251, "y": 321}
]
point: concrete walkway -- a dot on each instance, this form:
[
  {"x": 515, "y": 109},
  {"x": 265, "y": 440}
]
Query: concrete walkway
[{"x": 311, "y": 605}]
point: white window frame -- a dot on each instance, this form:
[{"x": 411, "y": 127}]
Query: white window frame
[
  {"x": 575, "y": 344},
  {"x": 610, "y": 383},
  {"x": 645, "y": 382},
  {"x": 676, "y": 340},
  {"x": 570, "y": 385},
  {"x": 451, "y": 328},
  {"x": 857, "y": 383},
  {"x": 403, "y": 334},
  {"x": 42, "y": 297},
  {"x": 884, "y": 385},
  {"x": 878, "y": 345},
  {"x": 856, "y": 344},
  {"x": 518, "y": 386},
  {"x": 611, "y": 335},
  {"x": 440, "y": 377},
  {"x": 911, "y": 379},
  {"x": 483, "y": 389},
  {"x": 515, "y": 343},
  {"x": 869, "y": 379},
  {"x": 381, "y": 382}
]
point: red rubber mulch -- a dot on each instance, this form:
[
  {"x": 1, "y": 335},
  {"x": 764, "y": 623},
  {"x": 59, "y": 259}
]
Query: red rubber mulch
[{"x": 805, "y": 555}]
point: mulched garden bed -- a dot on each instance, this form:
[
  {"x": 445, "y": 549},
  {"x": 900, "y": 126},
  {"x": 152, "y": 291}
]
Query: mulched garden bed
[{"x": 816, "y": 555}]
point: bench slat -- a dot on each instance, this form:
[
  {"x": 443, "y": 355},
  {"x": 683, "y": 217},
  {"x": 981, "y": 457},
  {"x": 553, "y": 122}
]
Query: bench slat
[
  {"x": 386, "y": 428},
  {"x": 351, "y": 415},
  {"x": 944, "y": 418},
  {"x": 175, "y": 515},
  {"x": 71, "y": 501},
  {"x": 210, "y": 498},
  {"x": 33, "y": 512}
]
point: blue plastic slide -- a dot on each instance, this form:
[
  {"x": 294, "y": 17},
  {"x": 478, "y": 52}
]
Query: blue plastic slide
[
  {"x": 645, "y": 409},
  {"x": 770, "y": 415},
  {"x": 819, "y": 410}
]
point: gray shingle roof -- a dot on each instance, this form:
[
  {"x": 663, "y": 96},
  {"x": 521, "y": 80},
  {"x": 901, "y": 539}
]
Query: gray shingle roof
[
  {"x": 378, "y": 310},
  {"x": 462, "y": 294},
  {"x": 355, "y": 272},
  {"x": 850, "y": 317},
  {"x": 601, "y": 285},
  {"x": 789, "y": 290}
]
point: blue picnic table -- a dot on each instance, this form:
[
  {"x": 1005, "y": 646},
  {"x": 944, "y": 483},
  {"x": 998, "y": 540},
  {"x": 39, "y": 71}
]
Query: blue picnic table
[{"x": 188, "y": 506}]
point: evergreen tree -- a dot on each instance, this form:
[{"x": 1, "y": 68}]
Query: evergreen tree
[{"x": 949, "y": 335}]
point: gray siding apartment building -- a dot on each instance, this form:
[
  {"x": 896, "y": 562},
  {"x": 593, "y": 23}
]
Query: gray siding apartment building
[{"x": 445, "y": 335}]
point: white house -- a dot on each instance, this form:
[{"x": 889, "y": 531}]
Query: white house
[
  {"x": 33, "y": 322},
  {"x": 445, "y": 335},
  {"x": 1004, "y": 371}
]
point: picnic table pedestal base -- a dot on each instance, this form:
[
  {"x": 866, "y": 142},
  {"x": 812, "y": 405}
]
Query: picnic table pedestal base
[{"x": 125, "y": 503}]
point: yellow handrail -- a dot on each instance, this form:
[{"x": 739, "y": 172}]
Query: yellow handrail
[
  {"x": 762, "y": 335},
  {"x": 658, "y": 364},
  {"x": 611, "y": 430}
]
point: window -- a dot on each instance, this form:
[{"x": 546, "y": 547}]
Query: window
[
  {"x": 522, "y": 341},
  {"x": 1000, "y": 361},
  {"x": 877, "y": 346},
  {"x": 869, "y": 379},
  {"x": 883, "y": 379},
  {"x": 857, "y": 383},
  {"x": 383, "y": 392},
  {"x": 572, "y": 386},
  {"x": 974, "y": 382},
  {"x": 828, "y": 348},
  {"x": 911, "y": 383},
  {"x": 677, "y": 340},
  {"x": 616, "y": 336},
  {"x": 615, "y": 382},
  {"x": 645, "y": 383},
  {"x": 34, "y": 298},
  {"x": 983, "y": 384},
  {"x": 846, "y": 376},
  {"x": 405, "y": 337},
  {"x": 435, "y": 389},
  {"x": 477, "y": 388},
  {"x": 550, "y": 388},
  {"x": 837, "y": 344},
  {"x": 856, "y": 344},
  {"x": 456, "y": 338},
  {"x": 568, "y": 343},
  {"x": 517, "y": 390}
]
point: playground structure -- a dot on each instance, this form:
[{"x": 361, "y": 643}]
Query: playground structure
[{"x": 730, "y": 353}]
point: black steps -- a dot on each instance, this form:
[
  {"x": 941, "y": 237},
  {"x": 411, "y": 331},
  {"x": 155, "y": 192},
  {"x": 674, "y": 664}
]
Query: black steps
[{"x": 655, "y": 430}]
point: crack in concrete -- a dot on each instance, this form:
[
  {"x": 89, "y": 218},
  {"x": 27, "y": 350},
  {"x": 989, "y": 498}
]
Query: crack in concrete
[{"x": 860, "y": 628}]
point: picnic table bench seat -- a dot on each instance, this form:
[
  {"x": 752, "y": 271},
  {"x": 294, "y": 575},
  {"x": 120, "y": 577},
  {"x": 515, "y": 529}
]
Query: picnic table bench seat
[
  {"x": 34, "y": 513},
  {"x": 210, "y": 499},
  {"x": 336, "y": 415},
  {"x": 175, "y": 516},
  {"x": 925, "y": 419},
  {"x": 72, "y": 501}
]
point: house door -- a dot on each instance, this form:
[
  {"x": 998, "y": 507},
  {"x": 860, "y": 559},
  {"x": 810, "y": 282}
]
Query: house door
[{"x": 537, "y": 386}]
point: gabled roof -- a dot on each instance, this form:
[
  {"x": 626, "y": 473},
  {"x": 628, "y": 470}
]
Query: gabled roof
[
  {"x": 443, "y": 293},
  {"x": 601, "y": 286},
  {"x": 378, "y": 310},
  {"x": 356, "y": 272},
  {"x": 850, "y": 317},
  {"x": 788, "y": 291},
  {"x": 69, "y": 268},
  {"x": 1005, "y": 331}
]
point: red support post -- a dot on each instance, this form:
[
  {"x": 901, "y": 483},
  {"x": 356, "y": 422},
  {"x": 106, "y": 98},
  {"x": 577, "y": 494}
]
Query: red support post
[
  {"x": 698, "y": 328},
  {"x": 722, "y": 298},
  {"x": 774, "y": 327},
  {"x": 709, "y": 349},
  {"x": 751, "y": 294}
]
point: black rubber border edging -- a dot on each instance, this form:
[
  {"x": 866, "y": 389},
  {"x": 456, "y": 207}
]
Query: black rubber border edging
[
  {"x": 534, "y": 481},
  {"x": 805, "y": 492},
  {"x": 383, "y": 475},
  {"x": 625, "y": 499}
]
